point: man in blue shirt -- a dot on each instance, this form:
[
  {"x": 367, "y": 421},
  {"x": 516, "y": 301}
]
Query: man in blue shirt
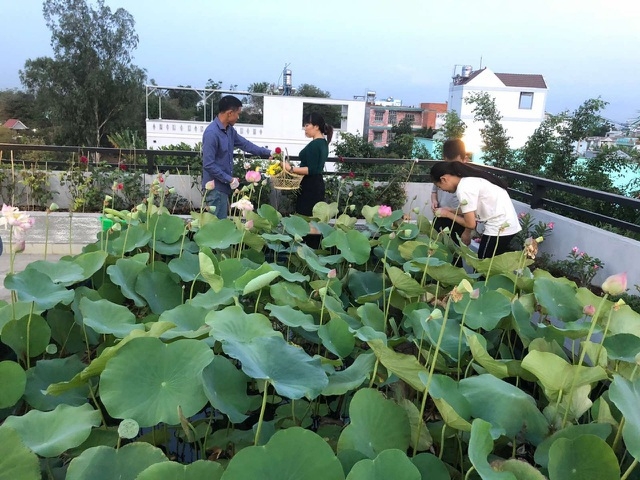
[{"x": 218, "y": 142}]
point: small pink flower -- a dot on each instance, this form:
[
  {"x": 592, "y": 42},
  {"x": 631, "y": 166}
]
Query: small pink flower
[
  {"x": 550, "y": 225},
  {"x": 249, "y": 225},
  {"x": 252, "y": 176},
  {"x": 595, "y": 267},
  {"x": 575, "y": 249},
  {"x": 384, "y": 211},
  {"x": 332, "y": 273},
  {"x": 615, "y": 284},
  {"x": 589, "y": 310},
  {"x": 210, "y": 185},
  {"x": 522, "y": 215},
  {"x": 582, "y": 254},
  {"x": 84, "y": 160}
]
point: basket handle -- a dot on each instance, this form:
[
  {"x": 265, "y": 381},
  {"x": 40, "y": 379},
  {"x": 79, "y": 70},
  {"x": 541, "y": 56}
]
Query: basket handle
[{"x": 285, "y": 157}]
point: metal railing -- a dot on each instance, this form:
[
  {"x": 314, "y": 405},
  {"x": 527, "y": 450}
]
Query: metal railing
[{"x": 536, "y": 193}]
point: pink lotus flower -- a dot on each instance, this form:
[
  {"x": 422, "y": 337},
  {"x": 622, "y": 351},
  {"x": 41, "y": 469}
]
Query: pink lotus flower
[
  {"x": 244, "y": 205},
  {"x": 252, "y": 176},
  {"x": 13, "y": 217},
  {"x": 332, "y": 273},
  {"x": 210, "y": 185},
  {"x": 615, "y": 284},
  {"x": 384, "y": 211},
  {"x": 550, "y": 225},
  {"x": 589, "y": 310},
  {"x": 249, "y": 225}
]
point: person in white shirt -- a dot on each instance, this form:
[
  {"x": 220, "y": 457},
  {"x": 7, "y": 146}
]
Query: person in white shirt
[{"x": 483, "y": 198}]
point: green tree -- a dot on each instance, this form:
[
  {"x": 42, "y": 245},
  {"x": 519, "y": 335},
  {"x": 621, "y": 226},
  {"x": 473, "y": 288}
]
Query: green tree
[
  {"x": 90, "y": 87},
  {"x": 332, "y": 114},
  {"x": 253, "y": 111},
  {"x": 453, "y": 127},
  {"x": 495, "y": 148}
]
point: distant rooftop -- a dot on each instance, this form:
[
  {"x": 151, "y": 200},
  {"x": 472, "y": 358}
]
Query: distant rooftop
[{"x": 521, "y": 80}]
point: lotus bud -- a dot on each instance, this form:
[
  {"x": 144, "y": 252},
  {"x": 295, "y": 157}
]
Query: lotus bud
[
  {"x": 108, "y": 198},
  {"x": 264, "y": 182},
  {"x": 589, "y": 310},
  {"x": 435, "y": 315},
  {"x": 172, "y": 190},
  {"x": 392, "y": 235},
  {"x": 210, "y": 185},
  {"x": 416, "y": 210},
  {"x": 407, "y": 232},
  {"x": 332, "y": 273},
  {"x": 116, "y": 227},
  {"x": 465, "y": 286},
  {"x": 615, "y": 284},
  {"x": 53, "y": 207},
  {"x": 475, "y": 294},
  {"x": 350, "y": 194},
  {"x": 352, "y": 208},
  {"x": 249, "y": 224}
]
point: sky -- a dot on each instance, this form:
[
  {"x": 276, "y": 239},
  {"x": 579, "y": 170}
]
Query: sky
[{"x": 406, "y": 49}]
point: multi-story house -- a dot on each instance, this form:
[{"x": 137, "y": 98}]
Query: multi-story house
[{"x": 520, "y": 99}]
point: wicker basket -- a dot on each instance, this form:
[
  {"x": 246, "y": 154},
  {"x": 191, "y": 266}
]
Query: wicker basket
[{"x": 285, "y": 180}]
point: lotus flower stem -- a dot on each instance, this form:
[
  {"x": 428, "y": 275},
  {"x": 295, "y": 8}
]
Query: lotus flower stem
[
  {"x": 629, "y": 470},
  {"x": 464, "y": 315},
  {"x": 430, "y": 377},
  {"x": 262, "y": 409},
  {"x": 618, "y": 435},
  {"x": 29, "y": 334},
  {"x": 581, "y": 359},
  {"x": 495, "y": 249}
]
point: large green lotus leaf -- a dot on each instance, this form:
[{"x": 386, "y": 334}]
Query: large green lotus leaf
[
  {"x": 504, "y": 264},
  {"x": 431, "y": 467},
  {"x": 586, "y": 457},
  {"x": 226, "y": 388},
  {"x": 17, "y": 462},
  {"x": 13, "y": 380},
  {"x": 313, "y": 261},
  {"x": 277, "y": 237},
  {"x": 626, "y": 396},
  {"x": 173, "y": 249},
  {"x": 484, "y": 312},
  {"x": 294, "y": 295},
  {"x": 35, "y": 286},
  {"x": 65, "y": 331},
  {"x": 420, "y": 437},
  {"x": 159, "y": 290},
  {"x": 623, "y": 346},
  {"x": 291, "y": 317},
  {"x": 388, "y": 464},
  {"x": 404, "y": 283},
  {"x": 211, "y": 300},
  {"x": 521, "y": 469},
  {"x": 336, "y": 337},
  {"x": 408, "y": 249},
  {"x": 260, "y": 224},
  {"x": 510, "y": 410},
  {"x": 296, "y": 225},
  {"x": 30, "y": 333},
  {"x": 348, "y": 458},
  {"x": 166, "y": 228},
  {"x": 570, "y": 432},
  {"x": 345, "y": 222},
  {"x": 234, "y": 325},
  {"x": 292, "y": 372},
  {"x": 50, "y": 433},
  {"x": 254, "y": 280},
  {"x": 497, "y": 368},
  {"x": 233, "y": 268},
  {"x": 452, "y": 405},
  {"x": 107, "y": 318},
  {"x": 556, "y": 374},
  {"x": 353, "y": 245},
  {"x": 90, "y": 262},
  {"x": 624, "y": 320},
  {"x": 365, "y": 286},
  {"x": 377, "y": 424},
  {"x": 125, "y": 273},
  {"x": 148, "y": 380},
  {"x": 187, "y": 266},
  {"x": 16, "y": 311},
  {"x": 198, "y": 470},
  {"x": 452, "y": 343},
  {"x": 189, "y": 322},
  {"x": 218, "y": 235},
  {"x": 480, "y": 446},
  {"x": 406, "y": 367},
  {"x": 291, "y": 454},
  {"x": 269, "y": 213},
  {"x": 522, "y": 309},
  {"x": 558, "y": 299},
  {"x": 97, "y": 365},
  {"x": 51, "y": 371},
  {"x": 369, "y": 212},
  {"x": 447, "y": 274},
  {"x": 367, "y": 334},
  {"x": 352, "y": 377},
  {"x": 288, "y": 275},
  {"x": 106, "y": 463},
  {"x": 65, "y": 271},
  {"x": 571, "y": 330},
  {"x": 207, "y": 267},
  {"x": 371, "y": 316},
  {"x": 135, "y": 236},
  {"x": 324, "y": 211}
]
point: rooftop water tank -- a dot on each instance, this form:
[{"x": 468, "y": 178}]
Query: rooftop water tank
[{"x": 466, "y": 71}]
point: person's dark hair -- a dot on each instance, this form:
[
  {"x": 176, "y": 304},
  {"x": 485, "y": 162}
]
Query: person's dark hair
[
  {"x": 229, "y": 102},
  {"x": 316, "y": 119},
  {"x": 453, "y": 148},
  {"x": 461, "y": 170}
]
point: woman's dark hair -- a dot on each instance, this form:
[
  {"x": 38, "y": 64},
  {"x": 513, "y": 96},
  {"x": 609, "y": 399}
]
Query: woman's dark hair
[
  {"x": 229, "y": 102},
  {"x": 316, "y": 119},
  {"x": 461, "y": 170}
]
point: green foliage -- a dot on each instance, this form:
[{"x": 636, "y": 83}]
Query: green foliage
[
  {"x": 90, "y": 86},
  {"x": 37, "y": 184},
  {"x": 530, "y": 229},
  {"x": 495, "y": 148},
  {"x": 578, "y": 266}
]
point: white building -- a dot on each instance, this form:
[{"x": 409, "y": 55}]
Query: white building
[
  {"x": 282, "y": 125},
  {"x": 520, "y": 99}
]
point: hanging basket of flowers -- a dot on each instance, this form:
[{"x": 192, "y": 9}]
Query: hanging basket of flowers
[{"x": 281, "y": 179}]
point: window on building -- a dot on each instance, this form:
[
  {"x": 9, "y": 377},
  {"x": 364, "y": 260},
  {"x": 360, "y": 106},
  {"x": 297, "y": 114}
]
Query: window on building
[
  {"x": 379, "y": 115},
  {"x": 377, "y": 136},
  {"x": 393, "y": 117},
  {"x": 526, "y": 100},
  {"x": 410, "y": 117}
]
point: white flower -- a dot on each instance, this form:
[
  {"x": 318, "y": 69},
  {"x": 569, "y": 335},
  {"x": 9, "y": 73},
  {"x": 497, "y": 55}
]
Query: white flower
[{"x": 244, "y": 205}]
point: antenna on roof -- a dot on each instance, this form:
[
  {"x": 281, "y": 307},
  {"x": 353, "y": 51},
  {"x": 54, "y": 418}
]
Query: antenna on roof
[{"x": 480, "y": 63}]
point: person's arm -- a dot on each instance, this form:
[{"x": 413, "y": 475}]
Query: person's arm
[
  {"x": 467, "y": 220},
  {"x": 210, "y": 145},
  {"x": 244, "y": 144},
  {"x": 434, "y": 198}
]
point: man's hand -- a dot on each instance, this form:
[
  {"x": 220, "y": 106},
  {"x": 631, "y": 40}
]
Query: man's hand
[
  {"x": 235, "y": 183},
  {"x": 466, "y": 237}
]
